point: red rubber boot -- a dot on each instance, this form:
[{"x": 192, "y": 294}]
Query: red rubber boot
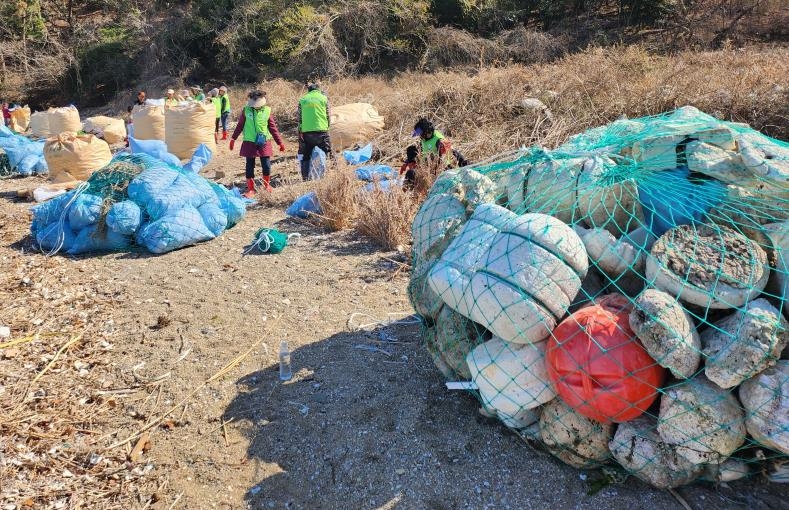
[
  {"x": 267, "y": 183},
  {"x": 224, "y": 135},
  {"x": 250, "y": 189}
]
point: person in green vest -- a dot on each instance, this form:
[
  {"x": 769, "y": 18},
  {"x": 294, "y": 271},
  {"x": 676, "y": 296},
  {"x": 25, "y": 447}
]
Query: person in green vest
[
  {"x": 434, "y": 150},
  {"x": 224, "y": 109},
  {"x": 313, "y": 114},
  {"x": 197, "y": 93},
  {"x": 170, "y": 99},
  {"x": 258, "y": 127},
  {"x": 213, "y": 96}
]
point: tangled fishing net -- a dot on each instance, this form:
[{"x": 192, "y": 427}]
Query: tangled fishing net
[
  {"x": 621, "y": 299},
  {"x": 136, "y": 200}
]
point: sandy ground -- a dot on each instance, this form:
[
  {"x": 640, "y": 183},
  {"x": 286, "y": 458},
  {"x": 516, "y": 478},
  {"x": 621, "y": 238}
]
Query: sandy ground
[{"x": 365, "y": 423}]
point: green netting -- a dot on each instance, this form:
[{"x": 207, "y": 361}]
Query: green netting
[{"x": 620, "y": 299}]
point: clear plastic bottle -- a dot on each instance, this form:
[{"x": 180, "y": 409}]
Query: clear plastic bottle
[{"x": 285, "y": 373}]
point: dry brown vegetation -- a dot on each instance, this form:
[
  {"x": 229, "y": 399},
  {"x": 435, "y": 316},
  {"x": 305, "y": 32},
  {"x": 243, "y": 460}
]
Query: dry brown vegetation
[
  {"x": 485, "y": 116},
  {"x": 484, "y": 113},
  {"x": 385, "y": 216}
]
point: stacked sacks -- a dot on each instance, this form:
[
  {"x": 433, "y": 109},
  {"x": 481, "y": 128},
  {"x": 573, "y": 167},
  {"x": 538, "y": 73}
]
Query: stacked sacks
[
  {"x": 621, "y": 298},
  {"x": 25, "y": 157},
  {"x": 20, "y": 119},
  {"x": 354, "y": 123},
  {"x": 188, "y": 126},
  {"x": 136, "y": 200},
  {"x": 148, "y": 122},
  {"x": 64, "y": 120},
  {"x": 75, "y": 157},
  {"x": 110, "y": 130},
  {"x": 39, "y": 124}
]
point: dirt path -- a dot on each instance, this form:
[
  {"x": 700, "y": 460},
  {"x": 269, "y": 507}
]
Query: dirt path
[{"x": 365, "y": 422}]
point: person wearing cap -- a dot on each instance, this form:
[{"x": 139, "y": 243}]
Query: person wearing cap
[
  {"x": 258, "y": 127},
  {"x": 435, "y": 149},
  {"x": 313, "y": 115},
  {"x": 197, "y": 93},
  {"x": 224, "y": 109},
  {"x": 170, "y": 99}
]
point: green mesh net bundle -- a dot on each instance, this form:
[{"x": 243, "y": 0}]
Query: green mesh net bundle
[{"x": 621, "y": 299}]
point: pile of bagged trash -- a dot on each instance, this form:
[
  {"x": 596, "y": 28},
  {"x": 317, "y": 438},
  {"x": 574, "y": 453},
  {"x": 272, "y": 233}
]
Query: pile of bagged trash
[
  {"x": 136, "y": 200},
  {"x": 23, "y": 156},
  {"x": 621, "y": 299}
]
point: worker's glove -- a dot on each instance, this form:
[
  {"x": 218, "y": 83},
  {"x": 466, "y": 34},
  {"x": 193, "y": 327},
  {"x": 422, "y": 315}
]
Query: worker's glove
[
  {"x": 232, "y": 143},
  {"x": 282, "y": 147}
]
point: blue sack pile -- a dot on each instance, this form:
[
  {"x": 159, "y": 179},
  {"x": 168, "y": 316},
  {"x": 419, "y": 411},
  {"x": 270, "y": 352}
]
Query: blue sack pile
[
  {"x": 136, "y": 200},
  {"x": 25, "y": 157},
  {"x": 359, "y": 156}
]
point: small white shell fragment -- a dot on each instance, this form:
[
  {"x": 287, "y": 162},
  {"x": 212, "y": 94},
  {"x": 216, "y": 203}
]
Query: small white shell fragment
[
  {"x": 705, "y": 423},
  {"x": 667, "y": 332},
  {"x": 640, "y": 450},
  {"x": 574, "y": 439},
  {"x": 743, "y": 344},
  {"x": 711, "y": 267},
  {"x": 766, "y": 401},
  {"x": 510, "y": 377}
]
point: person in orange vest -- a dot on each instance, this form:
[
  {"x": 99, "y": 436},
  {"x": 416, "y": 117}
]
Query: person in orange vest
[{"x": 258, "y": 127}]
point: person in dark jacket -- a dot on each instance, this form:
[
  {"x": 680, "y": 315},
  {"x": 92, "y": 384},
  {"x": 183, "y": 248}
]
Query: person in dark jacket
[
  {"x": 258, "y": 127},
  {"x": 313, "y": 114}
]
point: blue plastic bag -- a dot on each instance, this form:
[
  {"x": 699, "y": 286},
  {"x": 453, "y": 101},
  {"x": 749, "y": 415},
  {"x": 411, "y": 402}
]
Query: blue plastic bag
[
  {"x": 49, "y": 212},
  {"x": 183, "y": 227},
  {"x": 124, "y": 217},
  {"x": 56, "y": 236},
  {"x": 234, "y": 207},
  {"x": 317, "y": 165},
  {"x": 386, "y": 186},
  {"x": 214, "y": 217},
  {"x": 303, "y": 206},
  {"x": 358, "y": 156},
  {"x": 200, "y": 158},
  {"x": 85, "y": 211},
  {"x": 372, "y": 173},
  {"x": 92, "y": 239},
  {"x": 155, "y": 148},
  {"x": 670, "y": 199}
]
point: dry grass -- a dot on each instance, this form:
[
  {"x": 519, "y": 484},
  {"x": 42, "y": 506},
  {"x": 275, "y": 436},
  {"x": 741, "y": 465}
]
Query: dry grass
[
  {"x": 385, "y": 217},
  {"x": 483, "y": 112},
  {"x": 338, "y": 195},
  {"x": 484, "y": 115}
]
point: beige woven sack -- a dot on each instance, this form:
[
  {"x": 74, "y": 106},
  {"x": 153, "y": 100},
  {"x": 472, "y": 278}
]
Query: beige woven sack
[
  {"x": 148, "y": 122},
  {"x": 64, "y": 120},
  {"x": 74, "y": 158},
  {"x": 39, "y": 124},
  {"x": 352, "y": 123},
  {"x": 20, "y": 119},
  {"x": 111, "y": 130},
  {"x": 188, "y": 126}
]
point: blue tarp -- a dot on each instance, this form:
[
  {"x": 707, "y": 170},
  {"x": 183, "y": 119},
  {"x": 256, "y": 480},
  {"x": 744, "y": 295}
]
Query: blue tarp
[
  {"x": 372, "y": 173},
  {"x": 359, "y": 156},
  {"x": 304, "y": 205},
  {"x": 25, "y": 155}
]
